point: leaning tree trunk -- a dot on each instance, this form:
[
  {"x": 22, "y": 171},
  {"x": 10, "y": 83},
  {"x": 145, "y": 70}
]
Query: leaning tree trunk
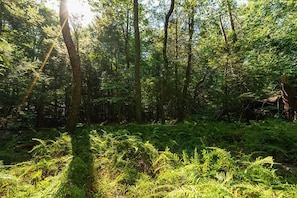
[{"x": 75, "y": 65}]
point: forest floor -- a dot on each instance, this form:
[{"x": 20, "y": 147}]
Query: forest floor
[{"x": 196, "y": 158}]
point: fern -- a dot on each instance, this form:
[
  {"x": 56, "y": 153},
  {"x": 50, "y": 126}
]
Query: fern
[
  {"x": 128, "y": 164},
  {"x": 166, "y": 161},
  {"x": 121, "y": 158},
  {"x": 261, "y": 171},
  {"x": 49, "y": 148},
  {"x": 41, "y": 150}
]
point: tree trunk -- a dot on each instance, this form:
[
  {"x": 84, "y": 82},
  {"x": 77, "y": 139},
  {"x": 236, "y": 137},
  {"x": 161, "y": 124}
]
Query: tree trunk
[
  {"x": 234, "y": 35},
  {"x": 176, "y": 73},
  {"x": 138, "y": 108},
  {"x": 1, "y": 16},
  {"x": 75, "y": 65},
  {"x": 183, "y": 104},
  {"x": 87, "y": 101},
  {"x": 163, "y": 85},
  {"x": 289, "y": 98},
  {"x": 166, "y": 37},
  {"x": 126, "y": 31},
  {"x": 230, "y": 49},
  {"x": 127, "y": 40},
  {"x": 226, "y": 70}
]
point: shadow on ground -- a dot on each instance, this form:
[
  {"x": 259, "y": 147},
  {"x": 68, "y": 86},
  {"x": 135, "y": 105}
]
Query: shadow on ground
[{"x": 80, "y": 176}]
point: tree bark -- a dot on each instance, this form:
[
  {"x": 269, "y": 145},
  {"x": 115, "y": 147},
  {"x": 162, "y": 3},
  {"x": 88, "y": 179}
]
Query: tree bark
[
  {"x": 1, "y": 16},
  {"x": 230, "y": 50},
  {"x": 189, "y": 65},
  {"x": 75, "y": 65},
  {"x": 289, "y": 98},
  {"x": 190, "y": 54},
  {"x": 129, "y": 109},
  {"x": 127, "y": 39},
  {"x": 226, "y": 69},
  {"x": 234, "y": 35},
  {"x": 176, "y": 73},
  {"x": 138, "y": 108},
  {"x": 167, "y": 17},
  {"x": 164, "y": 81}
]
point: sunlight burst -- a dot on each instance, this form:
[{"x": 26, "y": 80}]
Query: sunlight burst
[
  {"x": 76, "y": 8},
  {"x": 81, "y": 10}
]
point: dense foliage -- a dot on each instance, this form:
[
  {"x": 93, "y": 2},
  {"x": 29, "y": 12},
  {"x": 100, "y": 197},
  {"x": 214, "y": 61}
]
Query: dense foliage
[
  {"x": 217, "y": 55},
  {"x": 206, "y": 159}
]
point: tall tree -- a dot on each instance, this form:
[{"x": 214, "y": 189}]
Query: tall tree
[
  {"x": 231, "y": 19},
  {"x": 1, "y": 15},
  {"x": 138, "y": 108},
  {"x": 127, "y": 37},
  {"x": 75, "y": 64},
  {"x": 167, "y": 17},
  {"x": 166, "y": 63},
  {"x": 191, "y": 17}
]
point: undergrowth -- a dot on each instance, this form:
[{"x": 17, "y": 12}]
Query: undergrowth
[
  {"x": 193, "y": 159},
  {"x": 40, "y": 177}
]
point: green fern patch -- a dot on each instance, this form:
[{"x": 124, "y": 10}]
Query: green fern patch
[
  {"x": 186, "y": 160},
  {"x": 215, "y": 174}
]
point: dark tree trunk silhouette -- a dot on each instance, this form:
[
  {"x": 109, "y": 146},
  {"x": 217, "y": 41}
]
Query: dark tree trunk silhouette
[
  {"x": 127, "y": 38},
  {"x": 164, "y": 81},
  {"x": 126, "y": 31},
  {"x": 167, "y": 17},
  {"x": 1, "y": 16},
  {"x": 138, "y": 108},
  {"x": 75, "y": 65},
  {"x": 176, "y": 73}
]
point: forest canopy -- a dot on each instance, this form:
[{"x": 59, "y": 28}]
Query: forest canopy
[{"x": 196, "y": 57}]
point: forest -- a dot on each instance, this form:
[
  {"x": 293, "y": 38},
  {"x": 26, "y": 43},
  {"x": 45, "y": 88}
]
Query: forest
[{"x": 168, "y": 98}]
